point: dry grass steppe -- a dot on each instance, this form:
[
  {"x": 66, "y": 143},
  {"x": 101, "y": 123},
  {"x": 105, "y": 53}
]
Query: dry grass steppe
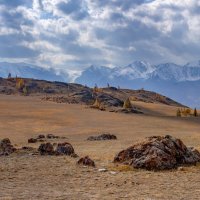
[{"x": 51, "y": 177}]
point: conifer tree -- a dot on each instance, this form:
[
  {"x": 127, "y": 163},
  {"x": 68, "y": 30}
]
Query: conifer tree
[
  {"x": 178, "y": 113},
  {"x": 195, "y": 112}
]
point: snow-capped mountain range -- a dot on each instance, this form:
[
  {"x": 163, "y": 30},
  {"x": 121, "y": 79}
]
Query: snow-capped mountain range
[
  {"x": 180, "y": 82},
  {"x": 144, "y": 70}
]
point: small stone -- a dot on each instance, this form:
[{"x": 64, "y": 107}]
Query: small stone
[
  {"x": 180, "y": 168},
  {"x": 102, "y": 170},
  {"x": 104, "y": 136},
  {"x": 40, "y": 136},
  {"x": 113, "y": 173}
]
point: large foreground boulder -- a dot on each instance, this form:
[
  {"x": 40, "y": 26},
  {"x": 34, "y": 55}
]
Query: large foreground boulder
[
  {"x": 104, "y": 136},
  {"x": 158, "y": 153},
  {"x": 6, "y": 148}
]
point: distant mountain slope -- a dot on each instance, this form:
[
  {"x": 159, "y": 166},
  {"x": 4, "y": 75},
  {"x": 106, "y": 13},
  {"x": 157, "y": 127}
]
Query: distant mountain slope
[
  {"x": 29, "y": 71},
  {"x": 181, "y": 83}
]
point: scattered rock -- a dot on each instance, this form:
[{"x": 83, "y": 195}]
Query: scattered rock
[
  {"x": 46, "y": 149},
  {"x": 41, "y": 136},
  {"x": 51, "y": 136},
  {"x": 32, "y": 140},
  {"x": 6, "y": 148},
  {"x": 64, "y": 149},
  {"x": 57, "y": 149},
  {"x": 158, "y": 153},
  {"x": 28, "y": 148},
  {"x": 104, "y": 136},
  {"x": 86, "y": 161},
  {"x": 102, "y": 170},
  {"x": 113, "y": 173}
]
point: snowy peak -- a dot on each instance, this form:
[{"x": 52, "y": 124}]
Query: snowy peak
[
  {"x": 168, "y": 71},
  {"x": 137, "y": 69},
  {"x": 173, "y": 72}
]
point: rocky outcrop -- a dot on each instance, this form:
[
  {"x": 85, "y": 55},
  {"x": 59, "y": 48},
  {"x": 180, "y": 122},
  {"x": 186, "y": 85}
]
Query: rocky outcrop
[
  {"x": 86, "y": 161},
  {"x": 158, "y": 153},
  {"x": 104, "y": 136},
  {"x": 6, "y": 148}
]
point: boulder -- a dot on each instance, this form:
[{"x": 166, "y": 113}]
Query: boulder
[
  {"x": 56, "y": 149},
  {"x": 32, "y": 140},
  {"x": 158, "y": 153},
  {"x": 64, "y": 149},
  {"x": 6, "y": 148},
  {"x": 86, "y": 161},
  {"x": 46, "y": 149},
  {"x": 104, "y": 136}
]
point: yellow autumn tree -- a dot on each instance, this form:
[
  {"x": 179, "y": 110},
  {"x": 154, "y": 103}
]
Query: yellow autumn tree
[
  {"x": 20, "y": 83},
  {"x": 127, "y": 104}
]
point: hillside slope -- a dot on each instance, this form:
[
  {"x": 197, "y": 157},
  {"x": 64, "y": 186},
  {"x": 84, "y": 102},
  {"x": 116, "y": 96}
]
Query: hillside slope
[{"x": 75, "y": 93}]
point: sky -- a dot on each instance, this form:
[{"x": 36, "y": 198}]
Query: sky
[{"x": 74, "y": 34}]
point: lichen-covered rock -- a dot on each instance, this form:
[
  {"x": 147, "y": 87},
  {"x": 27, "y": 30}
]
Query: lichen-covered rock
[
  {"x": 46, "y": 149},
  {"x": 64, "y": 149},
  {"x": 104, "y": 136},
  {"x": 158, "y": 153},
  {"x": 86, "y": 161},
  {"x": 6, "y": 148}
]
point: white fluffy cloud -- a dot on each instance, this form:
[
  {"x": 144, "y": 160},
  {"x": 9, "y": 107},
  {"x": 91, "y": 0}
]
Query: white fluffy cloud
[{"x": 72, "y": 34}]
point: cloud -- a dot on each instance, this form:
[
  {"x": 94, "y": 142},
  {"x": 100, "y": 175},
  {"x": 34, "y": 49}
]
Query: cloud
[
  {"x": 72, "y": 34},
  {"x": 76, "y": 9}
]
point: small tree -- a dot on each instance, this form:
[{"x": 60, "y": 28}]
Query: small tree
[
  {"x": 127, "y": 104},
  {"x": 195, "y": 112},
  {"x": 20, "y": 83},
  {"x": 178, "y": 113},
  {"x": 9, "y": 75},
  {"x": 97, "y": 103},
  {"x": 25, "y": 91}
]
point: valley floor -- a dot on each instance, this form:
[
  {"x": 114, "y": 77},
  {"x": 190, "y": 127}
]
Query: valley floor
[{"x": 58, "y": 177}]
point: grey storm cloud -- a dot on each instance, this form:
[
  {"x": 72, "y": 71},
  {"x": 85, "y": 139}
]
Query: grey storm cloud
[{"x": 78, "y": 33}]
